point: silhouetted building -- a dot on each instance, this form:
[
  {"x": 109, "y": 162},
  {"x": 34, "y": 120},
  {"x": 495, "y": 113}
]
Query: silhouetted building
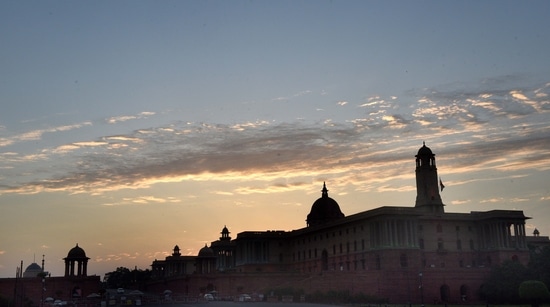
[
  {"x": 407, "y": 254},
  {"x": 224, "y": 249},
  {"x": 34, "y": 286},
  {"x": 174, "y": 265}
]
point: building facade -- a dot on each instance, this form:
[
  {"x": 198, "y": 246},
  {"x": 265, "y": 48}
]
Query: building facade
[
  {"x": 36, "y": 287},
  {"x": 405, "y": 254}
]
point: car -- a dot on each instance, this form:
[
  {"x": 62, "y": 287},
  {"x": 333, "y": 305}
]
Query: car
[
  {"x": 120, "y": 290},
  {"x": 209, "y": 297},
  {"x": 245, "y": 298}
]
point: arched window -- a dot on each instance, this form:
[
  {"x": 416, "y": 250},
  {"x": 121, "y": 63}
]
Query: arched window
[
  {"x": 464, "y": 293},
  {"x": 445, "y": 293}
]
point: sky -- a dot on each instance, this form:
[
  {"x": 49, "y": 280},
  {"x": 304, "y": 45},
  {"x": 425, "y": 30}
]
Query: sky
[{"x": 129, "y": 127}]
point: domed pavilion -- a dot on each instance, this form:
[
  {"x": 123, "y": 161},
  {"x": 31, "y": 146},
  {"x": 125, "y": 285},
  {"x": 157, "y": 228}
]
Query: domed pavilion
[{"x": 76, "y": 262}]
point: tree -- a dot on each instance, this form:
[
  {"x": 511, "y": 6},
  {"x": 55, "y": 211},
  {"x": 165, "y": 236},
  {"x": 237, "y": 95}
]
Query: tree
[
  {"x": 503, "y": 283},
  {"x": 533, "y": 292},
  {"x": 5, "y": 302},
  {"x": 539, "y": 265},
  {"x": 124, "y": 278},
  {"x": 121, "y": 278}
]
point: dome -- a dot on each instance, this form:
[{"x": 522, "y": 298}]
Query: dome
[
  {"x": 32, "y": 270},
  {"x": 225, "y": 230},
  {"x": 206, "y": 252},
  {"x": 323, "y": 210},
  {"x": 225, "y": 234},
  {"x": 176, "y": 251},
  {"x": 76, "y": 252},
  {"x": 425, "y": 151}
]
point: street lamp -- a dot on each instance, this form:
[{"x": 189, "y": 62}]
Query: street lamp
[
  {"x": 421, "y": 286},
  {"x": 43, "y": 290}
]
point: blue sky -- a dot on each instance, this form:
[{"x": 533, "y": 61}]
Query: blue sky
[{"x": 132, "y": 126}]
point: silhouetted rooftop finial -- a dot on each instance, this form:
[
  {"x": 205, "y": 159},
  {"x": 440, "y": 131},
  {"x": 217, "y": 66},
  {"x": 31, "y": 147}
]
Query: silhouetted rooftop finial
[{"x": 324, "y": 191}]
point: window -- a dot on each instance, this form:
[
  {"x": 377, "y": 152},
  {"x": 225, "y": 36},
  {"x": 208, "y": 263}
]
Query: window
[
  {"x": 440, "y": 244},
  {"x": 324, "y": 260},
  {"x": 421, "y": 243},
  {"x": 458, "y": 244},
  {"x": 403, "y": 260},
  {"x": 472, "y": 244},
  {"x": 377, "y": 262},
  {"x": 439, "y": 228}
]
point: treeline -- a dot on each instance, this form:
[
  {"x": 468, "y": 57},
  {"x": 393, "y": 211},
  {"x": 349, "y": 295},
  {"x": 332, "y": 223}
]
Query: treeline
[{"x": 505, "y": 282}]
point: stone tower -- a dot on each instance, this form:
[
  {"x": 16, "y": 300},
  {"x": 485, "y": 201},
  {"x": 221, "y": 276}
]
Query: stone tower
[{"x": 427, "y": 187}]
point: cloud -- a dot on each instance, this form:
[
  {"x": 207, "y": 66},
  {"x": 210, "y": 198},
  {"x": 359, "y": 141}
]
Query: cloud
[
  {"x": 123, "y": 118},
  {"x": 494, "y": 127},
  {"x": 117, "y": 257},
  {"x": 37, "y": 134},
  {"x": 143, "y": 200}
]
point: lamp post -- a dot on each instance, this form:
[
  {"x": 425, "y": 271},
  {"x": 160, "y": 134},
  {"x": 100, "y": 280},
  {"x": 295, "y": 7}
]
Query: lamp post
[
  {"x": 43, "y": 290},
  {"x": 421, "y": 286}
]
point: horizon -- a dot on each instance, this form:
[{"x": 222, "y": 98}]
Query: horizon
[{"x": 132, "y": 127}]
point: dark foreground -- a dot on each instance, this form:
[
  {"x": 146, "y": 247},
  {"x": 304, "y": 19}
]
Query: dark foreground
[{"x": 238, "y": 304}]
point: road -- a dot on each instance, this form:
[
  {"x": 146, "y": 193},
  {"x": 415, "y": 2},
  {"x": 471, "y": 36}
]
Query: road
[{"x": 239, "y": 304}]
